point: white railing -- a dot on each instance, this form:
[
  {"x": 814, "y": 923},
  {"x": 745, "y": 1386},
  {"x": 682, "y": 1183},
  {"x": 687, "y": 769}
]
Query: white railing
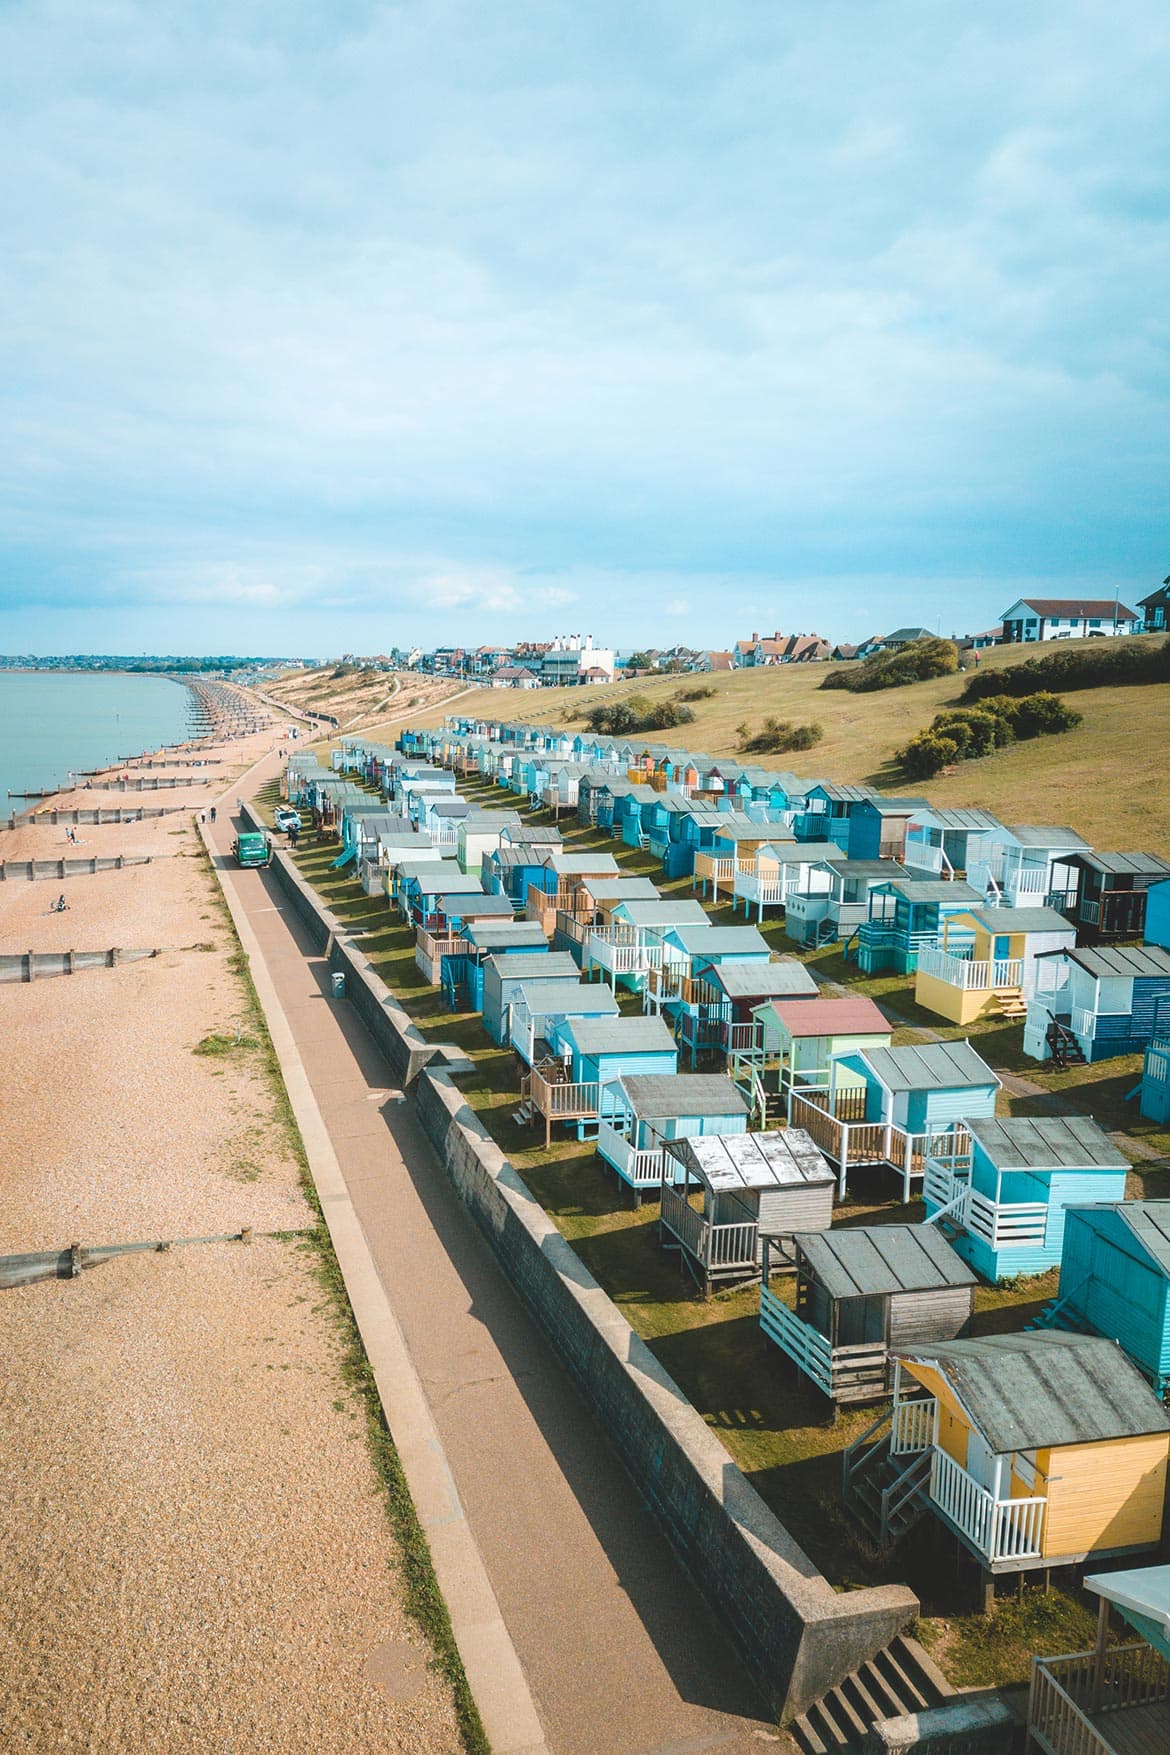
[
  {"x": 914, "y": 1425},
  {"x": 640, "y": 1168},
  {"x": 999, "y": 1529},
  {"x": 1020, "y": 1225},
  {"x": 766, "y": 890},
  {"x": 919, "y": 856},
  {"x": 563, "y": 1099},
  {"x": 1082, "y": 1022},
  {"x": 741, "y": 1038},
  {"x": 966, "y": 973}
]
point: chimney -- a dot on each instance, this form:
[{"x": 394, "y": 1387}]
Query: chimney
[{"x": 755, "y": 636}]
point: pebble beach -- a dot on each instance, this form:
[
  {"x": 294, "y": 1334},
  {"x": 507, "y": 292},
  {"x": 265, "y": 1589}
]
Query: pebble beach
[{"x": 196, "y": 1553}]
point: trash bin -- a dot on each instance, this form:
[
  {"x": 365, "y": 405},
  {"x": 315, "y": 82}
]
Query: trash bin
[{"x": 338, "y": 980}]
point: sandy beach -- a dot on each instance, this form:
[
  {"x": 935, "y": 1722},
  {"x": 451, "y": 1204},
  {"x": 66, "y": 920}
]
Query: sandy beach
[{"x": 196, "y": 1553}]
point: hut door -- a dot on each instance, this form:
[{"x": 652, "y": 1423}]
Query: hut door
[
  {"x": 981, "y": 1464},
  {"x": 860, "y": 1320}
]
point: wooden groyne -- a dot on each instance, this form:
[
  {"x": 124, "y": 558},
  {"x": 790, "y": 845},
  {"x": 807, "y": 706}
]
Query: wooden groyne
[
  {"x": 37, "y": 965},
  {"x": 36, "y": 870},
  {"x": 71, "y": 1262},
  {"x": 92, "y": 814}
]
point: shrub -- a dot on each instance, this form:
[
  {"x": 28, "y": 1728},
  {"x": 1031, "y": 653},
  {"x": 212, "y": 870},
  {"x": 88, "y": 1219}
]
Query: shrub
[
  {"x": 927, "y": 755},
  {"x": 1083, "y": 664},
  {"x": 776, "y": 735},
  {"x": 637, "y": 713},
  {"x": 891, "y": 670},
  {"x": 699, "y": 694},
  {"x": 976, "y": 730},
  {"x": 1035, "y": 715}
]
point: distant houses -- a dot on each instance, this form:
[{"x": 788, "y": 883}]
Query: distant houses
[{"x": 1032, "y": 619}]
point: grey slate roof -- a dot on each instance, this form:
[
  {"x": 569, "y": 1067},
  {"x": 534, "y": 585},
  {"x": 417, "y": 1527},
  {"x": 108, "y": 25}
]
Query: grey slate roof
[
  {"x": 872, "y": 1261},
  {"x": 574, "y": 999},
  {"x": 936, "y": 890},
  {"x": 1022, "y": 920},
  {"x": 809, "y": 852},
  {"x": 784, "y": 980},
  {"x": 665, "y": 911},
  {"x": 961, "y": 819},
  {"x": 935, "y": 1066},
  {"x": 728, "y": 1162},
  {"x": 1045, "y": 1388},
  {"x": 718, "y": 940},
  {"x": 490, "y": 934},
  {"x": 1044, "y": 835},
  {"x": 875, "y": 870},
  {"x": 535, "y": 965},
  {"x": 1055, "y": 1142},
  {"x": 482, "y": 905},
  {"x": 1149, "y": 1222},
  {"x": 447, "y": 869},
  {"x": 655, "y": 1095},
  {"x": 1139, "y": 864},
  {"x": 637, "y": 1035},
  {"x": 1126, "y": 960},
  {"x": 583, "y": 864}
]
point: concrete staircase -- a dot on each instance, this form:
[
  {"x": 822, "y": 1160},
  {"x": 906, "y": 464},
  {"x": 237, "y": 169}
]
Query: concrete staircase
[{"x": 900, "y": 1678}]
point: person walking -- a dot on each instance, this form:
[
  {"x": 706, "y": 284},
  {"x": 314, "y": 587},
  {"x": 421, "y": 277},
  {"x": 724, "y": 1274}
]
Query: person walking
[{"x": 213, "y": 813}]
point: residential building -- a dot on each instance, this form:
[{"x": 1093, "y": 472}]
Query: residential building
[{"x": 1032, "y": 619}]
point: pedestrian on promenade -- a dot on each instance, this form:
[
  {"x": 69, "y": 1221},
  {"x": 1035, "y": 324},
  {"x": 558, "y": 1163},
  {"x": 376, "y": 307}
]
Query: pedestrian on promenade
[{"x": 213, "y": 813}]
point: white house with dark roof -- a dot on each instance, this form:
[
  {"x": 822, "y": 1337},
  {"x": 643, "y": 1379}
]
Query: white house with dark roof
[{"x": 1033, "y": 619}]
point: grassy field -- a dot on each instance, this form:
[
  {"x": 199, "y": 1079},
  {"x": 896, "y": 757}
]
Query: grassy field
[
  {"x": 359, "y": 698},
  {"x": 778, "y": 1429},
  {"x": 1092, "y": 779}
]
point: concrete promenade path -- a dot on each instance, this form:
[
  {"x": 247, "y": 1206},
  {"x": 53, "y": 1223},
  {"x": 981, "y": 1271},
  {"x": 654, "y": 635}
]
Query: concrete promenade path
[{"x": 620, "y": 1654}]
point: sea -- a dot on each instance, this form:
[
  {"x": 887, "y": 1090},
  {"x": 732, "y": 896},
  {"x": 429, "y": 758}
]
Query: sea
[{"x": 52, "y": 722}]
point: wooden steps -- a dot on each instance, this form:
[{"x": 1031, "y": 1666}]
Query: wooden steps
[{"x": 898, "y": 1679}]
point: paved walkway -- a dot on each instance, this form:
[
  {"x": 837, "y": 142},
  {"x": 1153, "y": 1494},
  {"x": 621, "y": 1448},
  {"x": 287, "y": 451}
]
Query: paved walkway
[{"x": 621, "y": 1655}]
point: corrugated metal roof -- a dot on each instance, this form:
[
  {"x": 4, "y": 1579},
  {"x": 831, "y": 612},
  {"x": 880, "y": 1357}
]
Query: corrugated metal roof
[
  {"x": 622, "y": 1036},
  {"x": 1046, "y": 1388},
  {"x": 1048, "y": 1142},
  {"x": 655, "y": 1096},
  {"x": 1022, "y": 920},
  {"x": 729, "y": 1162},
  {"x": 856, "y": 1016},
  {"x": 1138, "y": 864},
  {"x": 573, "y": 999},
  {"x": 873, "y": 1261},
  {"x": 764, "y": 980},
  {"x": 535, "y": 966},
  {"x": 1126, "y": 960},
  {"x": 935, "y": 1066}
]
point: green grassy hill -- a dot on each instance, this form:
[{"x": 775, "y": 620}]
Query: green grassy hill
[{"x": 1106, "y": 779}]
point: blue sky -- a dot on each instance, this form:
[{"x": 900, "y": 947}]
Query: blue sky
[{"x": 332, "y": 325}]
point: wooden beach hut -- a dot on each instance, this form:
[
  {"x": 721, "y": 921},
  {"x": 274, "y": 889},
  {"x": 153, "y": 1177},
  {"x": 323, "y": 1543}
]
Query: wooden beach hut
[{"x": 650, "y": 1110}]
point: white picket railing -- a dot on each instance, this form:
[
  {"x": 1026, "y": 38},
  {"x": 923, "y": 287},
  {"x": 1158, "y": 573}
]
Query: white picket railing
[
  {"x": 1021, "y": 1224},
  {"x": 640, "y": 1168},
  {"x": 965, "y": 972},
  {"x": 913, "y": 1426},
  {"x": 999, "y": 1529}
]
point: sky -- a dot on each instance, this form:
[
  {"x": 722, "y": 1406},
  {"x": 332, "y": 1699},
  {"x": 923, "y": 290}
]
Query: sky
[{"x": 331, "y": 326}]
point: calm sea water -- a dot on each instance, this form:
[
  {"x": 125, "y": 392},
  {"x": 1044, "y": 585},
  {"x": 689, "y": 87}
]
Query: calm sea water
[{"x": 54, "y": 721}]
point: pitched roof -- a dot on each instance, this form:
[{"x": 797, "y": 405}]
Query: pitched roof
[
  {"x": 534, "y": 965},
  {"x": 716, "y": 940},
  {"x": 765, "y": 980},
  {"x": 1084, "y": 608},
  {"x": 1000, "y": 920},
  {"x": 867, "y": 1261},
  {"x": 665, "y": 911},
  {"x": 730, "y": 1162},
  {"x": 1044, "y": 1389},
  {"x": 574, "y": 999},
  {"x": 1047, "y": 1142},
  {"x": 487, "y": 935},
  {"x": 935, "y": 1066},
  {"x": 1149, "y": 1224},
  {"x": 935, "y": 890},
  {"x": 622, "y": 1035},
  {"x": 855, "y": 1016},
  {"x": 661, "y": 1095},
  {"x": 1128, "y": 961},
  {"x": 1117, "y": 864},
  {"x": 961, "y": 818},
  {"x": 1045, "y": 835}
]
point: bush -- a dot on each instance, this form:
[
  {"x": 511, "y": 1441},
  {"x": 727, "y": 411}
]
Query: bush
[
  {"x": 1035, "y": 715},
  {"x": 777, "y": 735},
  {"x": 892, "y": 670},
  {"x": 700, "y": 694},
  {"x": 637, "y": 713},
  {"x": 976, "y": 730},
  {"x": 927, "y": 755},
  {"x": 1083, "y": 664}
]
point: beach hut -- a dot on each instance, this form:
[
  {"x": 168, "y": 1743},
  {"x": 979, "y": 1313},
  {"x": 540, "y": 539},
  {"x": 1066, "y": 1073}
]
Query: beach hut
[
  {"x": 505, "y": 972},
  {"x": 752, "y": 1185},
  {"x": 827, "y": 813},
  {"x": 783, "y": 870},
  {"x": 838, "y": 899},
  {"x": 732, "y": 848},
  {"x": 898, "y": 1107},
  {"x": 424, "y": 884},
  {"x": 461, "y": 975},
  {"x": 629, "y": 944},
  {"x": 1115, "y": 1280},
  {"x": 1111, "y": 890},
  {"x": 949, "y": 843},
  {"x": 1155, "y": 1088},
  {"x": 537, "y": 1010},
  {"x": 1118, "y": 1694},
  {"x": 649, "y": 1110},
  {"x": 985, "y": 962},
  {"x": 598, "y": 1051},
  {"x": 877, "y": 826},
  {"x": 739, "y": 989},
  {"x": 556, "y": 887},
  {"x": 861, "y": 1291},
  {"x": 905, "y": 916},
  {"x": 1097, "y": 1001},
  {"x": 1035, "y": 1450},
  {"x": 806, "y": 1036},
  {"x": 1005, "y": 1210},
  {"x": 479, "y": 834},
  {"x": 1028, "y": 865},
  {"x": 1158, "y": 914}
]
